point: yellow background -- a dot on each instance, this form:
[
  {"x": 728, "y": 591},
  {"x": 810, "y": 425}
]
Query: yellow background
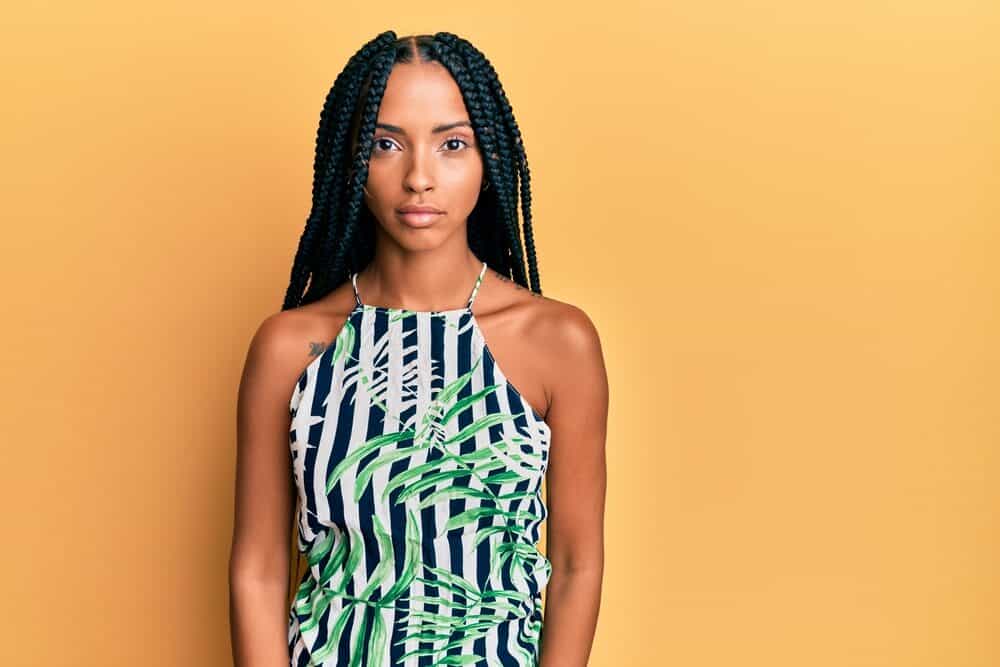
[{"x": 782, "y": 216}]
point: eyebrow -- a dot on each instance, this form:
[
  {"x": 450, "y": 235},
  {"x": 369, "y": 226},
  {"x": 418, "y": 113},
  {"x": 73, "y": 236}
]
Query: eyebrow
[{"x": 435, "y": 130}]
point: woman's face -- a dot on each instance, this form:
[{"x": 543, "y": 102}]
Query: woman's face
[{"x": 424, "y": 153}]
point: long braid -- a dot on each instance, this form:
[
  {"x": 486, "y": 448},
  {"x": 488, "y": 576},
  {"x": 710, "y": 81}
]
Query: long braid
[
  {"x": 381, "y": 68},
  {"x": 506, "y": 178},
  {"x": 339, "y": 234},
  {"x": 525, "y": 173},
  {"x": 327, "y": 165},
  {"x": 515, "y": 169},
  {"x": 483, "y": 122},
  {"x": 333, "y": 187},
  {"x": 489, "y": 73}
]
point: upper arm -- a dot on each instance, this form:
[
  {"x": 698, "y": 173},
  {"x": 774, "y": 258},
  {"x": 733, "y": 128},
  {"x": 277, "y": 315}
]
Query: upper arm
[
  {"x": 577, "y": 417},
  {"x": 264, "y": 490}
]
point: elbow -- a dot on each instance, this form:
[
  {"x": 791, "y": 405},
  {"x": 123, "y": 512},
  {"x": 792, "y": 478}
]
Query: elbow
[{"x": 255, "y": 572}]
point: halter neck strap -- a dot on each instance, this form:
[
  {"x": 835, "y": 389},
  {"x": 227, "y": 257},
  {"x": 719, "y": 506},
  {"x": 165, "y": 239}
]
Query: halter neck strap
[
  {"x": 354, "y": 281},
  {"x": 475, "y": 288},
  {"x": 468, "y": 305}
]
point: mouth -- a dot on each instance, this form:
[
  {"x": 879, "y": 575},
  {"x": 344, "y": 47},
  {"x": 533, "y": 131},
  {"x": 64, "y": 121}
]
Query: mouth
[{"x": 418, "y": 218}]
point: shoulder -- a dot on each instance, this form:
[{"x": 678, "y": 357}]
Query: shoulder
[
  {"x": 562, "y": 337},
  {"x": 567, "y": 334},
  {"x": 562, "y": 327},
  {"x": 286, "y": 342},
  {"x": 569, "y": 352}
]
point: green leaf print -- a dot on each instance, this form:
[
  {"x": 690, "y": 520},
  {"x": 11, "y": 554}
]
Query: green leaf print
[
  {"x": 374, "y": 376},
  {"x": 370, "y": 609},
  {"x": 345, "y": 341},
  {"x": 323, "y": 595},
  {"x": 359, "y": 453},
  {"x": 472, "y": 613},
  {"x": 461, "y": 612}
]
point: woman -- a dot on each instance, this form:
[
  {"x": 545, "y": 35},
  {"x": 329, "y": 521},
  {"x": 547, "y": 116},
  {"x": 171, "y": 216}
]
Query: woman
[{"x": 416, "y": 462}]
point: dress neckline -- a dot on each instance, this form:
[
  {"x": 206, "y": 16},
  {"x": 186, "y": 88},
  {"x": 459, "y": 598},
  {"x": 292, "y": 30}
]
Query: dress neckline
[
  {"x": 392, "y": 309},
  {"x": 360, "y": 305}
]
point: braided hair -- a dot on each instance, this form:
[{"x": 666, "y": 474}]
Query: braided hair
[{"x": 339, "y": 235}]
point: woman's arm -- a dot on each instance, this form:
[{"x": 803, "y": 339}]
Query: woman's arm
[
  {"x": 259, "y": 559},
  {"x": 575, "y": 491}
]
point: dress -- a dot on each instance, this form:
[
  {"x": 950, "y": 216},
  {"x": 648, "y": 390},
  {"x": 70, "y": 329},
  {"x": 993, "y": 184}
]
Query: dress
[{"x": 418, "y": 469}]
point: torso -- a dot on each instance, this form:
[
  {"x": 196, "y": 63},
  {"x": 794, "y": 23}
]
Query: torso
[{"x": 418, "y": 466}]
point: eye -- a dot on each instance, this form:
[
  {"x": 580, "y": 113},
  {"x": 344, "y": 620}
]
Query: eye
[
  {"x": 378, "y": 145},
  {"x": 451, "y": 140}
]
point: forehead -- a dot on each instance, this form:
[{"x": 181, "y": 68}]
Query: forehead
[{"x": 419, "y": 96}]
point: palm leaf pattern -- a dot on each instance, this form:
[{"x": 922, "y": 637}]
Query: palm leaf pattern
[{"x": 467, "y": 450}]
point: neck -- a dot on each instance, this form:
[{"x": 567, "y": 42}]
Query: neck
[{"x": 419, "y": 281}]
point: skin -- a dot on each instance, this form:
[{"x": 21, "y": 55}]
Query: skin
[{"x": 548, "y": 349}]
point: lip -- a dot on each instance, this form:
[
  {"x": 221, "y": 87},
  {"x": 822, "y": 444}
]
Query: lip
[
  {"x": 413, "y": 208},
  {"x": 418, "y": 218}
]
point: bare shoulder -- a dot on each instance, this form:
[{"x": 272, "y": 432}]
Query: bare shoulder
[
  {"x": 568, "y": 350},
  {"x": 286, "y": 342},
  {"x": 569, "y": 336},
  {"x": 565, "y": 329},
  {"x": 558, "y": 339}
]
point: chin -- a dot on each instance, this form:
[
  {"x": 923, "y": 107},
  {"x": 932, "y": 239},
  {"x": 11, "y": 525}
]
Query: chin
[{"x": 419, "y": 238}]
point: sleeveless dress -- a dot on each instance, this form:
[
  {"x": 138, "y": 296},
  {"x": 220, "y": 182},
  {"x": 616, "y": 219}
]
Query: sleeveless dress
[{"x": 418, "y": 469}]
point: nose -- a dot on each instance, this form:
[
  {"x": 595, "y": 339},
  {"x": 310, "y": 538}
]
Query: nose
[{"x": 418, "y": 176}]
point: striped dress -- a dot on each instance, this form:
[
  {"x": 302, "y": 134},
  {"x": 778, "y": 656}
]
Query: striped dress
[{"x": 418, "y": 469}]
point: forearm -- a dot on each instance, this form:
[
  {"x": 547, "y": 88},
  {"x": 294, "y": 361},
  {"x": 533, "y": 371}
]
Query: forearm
[
  {"x": 572, "y": 602},
  {"x": 258, "y": 623}
]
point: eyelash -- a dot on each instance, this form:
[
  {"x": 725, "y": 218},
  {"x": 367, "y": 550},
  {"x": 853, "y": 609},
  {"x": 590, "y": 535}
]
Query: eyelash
[{"x": 375, "y": 148}]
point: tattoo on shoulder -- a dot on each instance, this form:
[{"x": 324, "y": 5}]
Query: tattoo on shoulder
[
  {"x": 517, "y": 285},
  {"x": 316, "y": 349}
]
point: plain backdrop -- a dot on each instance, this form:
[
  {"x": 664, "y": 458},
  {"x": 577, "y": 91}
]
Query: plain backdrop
[{"x": 782, "y": 216}]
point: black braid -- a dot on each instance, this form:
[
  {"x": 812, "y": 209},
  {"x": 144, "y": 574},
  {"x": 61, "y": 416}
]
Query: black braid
[
  {"x": 339, "y": 234},
  {"x": 481, "y": 114},
  {"x": 507, "y": 113},
  {"x": 328, "y": 169}
]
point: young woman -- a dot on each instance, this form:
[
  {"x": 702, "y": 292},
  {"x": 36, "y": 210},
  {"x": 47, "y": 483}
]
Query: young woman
[{"x": 413, "y": 449}]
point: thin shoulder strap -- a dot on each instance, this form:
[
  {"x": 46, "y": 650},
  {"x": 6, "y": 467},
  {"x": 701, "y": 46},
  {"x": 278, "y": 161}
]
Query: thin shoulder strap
[
  {"x": 475, "y": 288},
  {"x": 354, "y": 281}
]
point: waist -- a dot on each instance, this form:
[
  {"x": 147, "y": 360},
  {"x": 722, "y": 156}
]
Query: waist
[{"x": 448, "y": 591}]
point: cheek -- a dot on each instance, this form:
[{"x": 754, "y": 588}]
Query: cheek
[
  {"x": 377, "y": 183},
  {"x": 463, "y": 180},
  {"x": 465, "y": 189},
  {"x": 383, "y": 191}
]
